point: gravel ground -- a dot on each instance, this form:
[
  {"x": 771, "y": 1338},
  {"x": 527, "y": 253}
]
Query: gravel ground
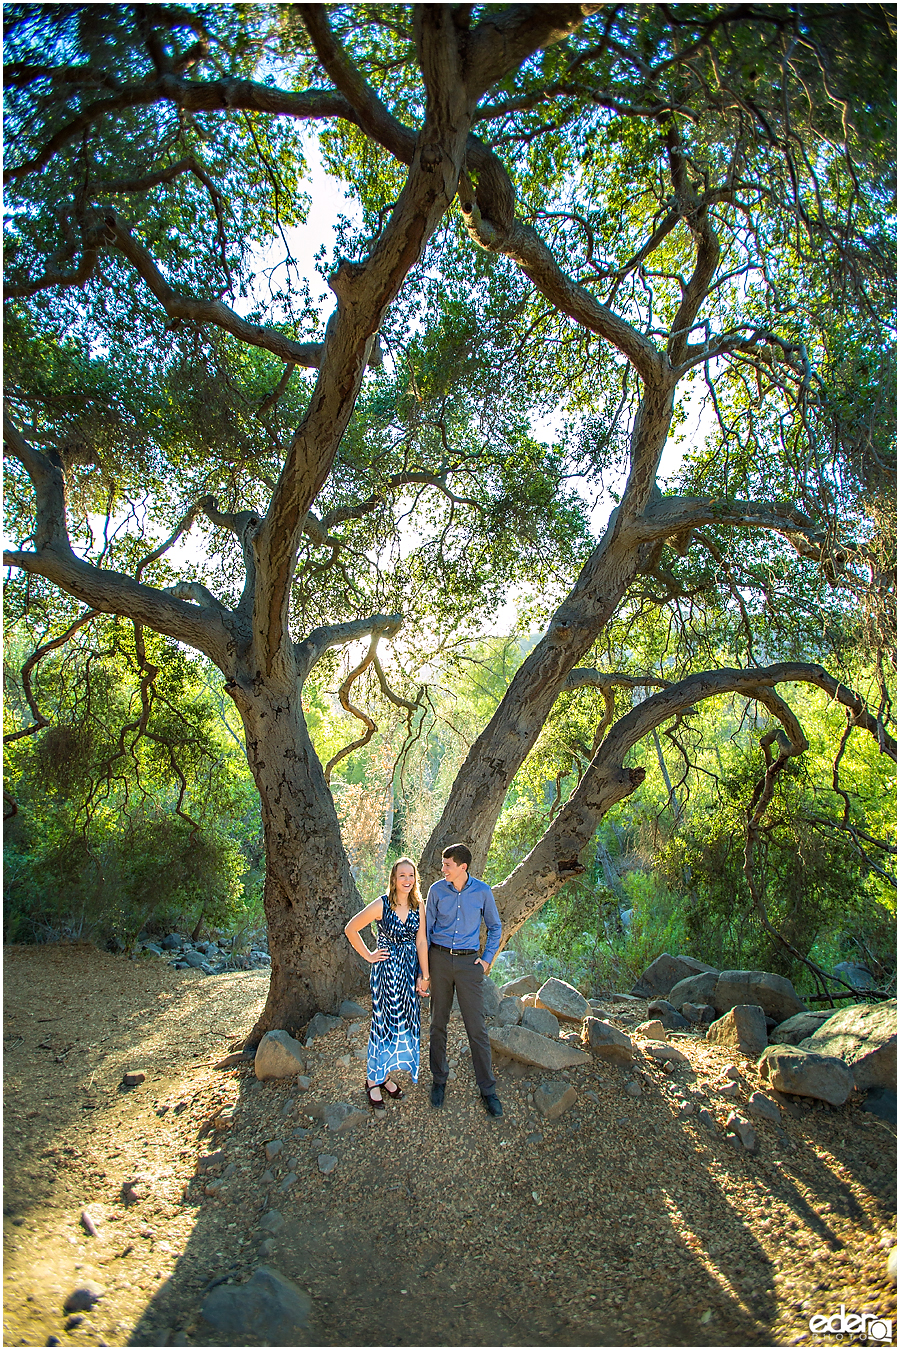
[{"x": 621, "y": 1223}]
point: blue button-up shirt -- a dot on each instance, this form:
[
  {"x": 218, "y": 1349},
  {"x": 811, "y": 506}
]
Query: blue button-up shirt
[{"x": 453, "y": 918}]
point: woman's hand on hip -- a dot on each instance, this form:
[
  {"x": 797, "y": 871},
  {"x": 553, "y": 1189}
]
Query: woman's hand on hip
[{"x": 379, "y": 954}]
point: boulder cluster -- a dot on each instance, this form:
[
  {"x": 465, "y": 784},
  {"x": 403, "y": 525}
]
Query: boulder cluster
[
  {"x": 823, "y": 1054},
  {"x": 209, "y": 957}
]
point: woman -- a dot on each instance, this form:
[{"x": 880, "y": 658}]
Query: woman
[{"x": 401, "y": 952}]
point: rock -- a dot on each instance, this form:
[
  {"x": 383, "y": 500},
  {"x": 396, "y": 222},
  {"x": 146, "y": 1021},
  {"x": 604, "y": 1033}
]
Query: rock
[
  {"x": 90, "y": 1220},
  {"x": 793, "y": 1069},
  {"x": 651, "y": 1031},
  {"x": 194, "y": 959},
  {"x": 773, "y": 993},
  {"x": 273, "y": 1148},
  {"x": 278, "y": 1055},
  {"x": 321, "y": 1025},
  {"x": 891, "y": 1266},
  {"x": 633, "y": 1088},
  {"x": 665, "y": 972},
  {"x": 858, "y": 976},
  {"x": 350, "y": 1011},
  {"x": 529, "y": 1000},
  {"x": 882, "y": 1102},
  {"x": 540, "y": 1020},
  {"x": 271, "y": 1221},
  {"x": 491, "y": 998},
  {"x": 525, "y": 984},
  {"x": 665, "y": 1053},
  {"x": 553, "y": 1098},
  {"x": 695, "y": 989},
  {"x": 303, "y": 1081},
  {"x": 75, "y": 1320},
  {"x": 764, "y": 1108},
  {"x": 152, "y": 948},
  {"x": 738, "y": 1125},
  {"x": 132, "y": 1077},
  {"x": 267, "y": 1178},
  {"x": 742, "y": 1028},
  {"x": 698, "y": 1014},
  {"x": 795, "y": 1029},
  {"x": 225, "y": 1119},
  {"x": 327, "y": 1162},
  {"x": 865, "y": 1038},
  {"x": 135, "y": 1190},
  {"x": 731, "y": 1071},
  {"x": 267, "y": 1248},
  {"x": 171, "y": 943},
  {"x": 84, "y": 1297},
  {"x": 606, "y": 1041},
  {"x": 510, "y": 1014},
  {"x": 563, "y": 1000},
  {"x": 707, "y": 1119},
  {"x": 669, "y": 1015},
  {"x": 531, "y": 1048},
  {"x": 268, "y": 1307},
  {"x": 726, "y": 1088},
  {"x": 338, "y": 1116},
  {"x": 288, "y": 1181}
]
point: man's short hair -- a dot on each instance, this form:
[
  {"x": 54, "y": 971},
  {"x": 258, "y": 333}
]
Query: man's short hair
[{"x": 459, "y": 853}]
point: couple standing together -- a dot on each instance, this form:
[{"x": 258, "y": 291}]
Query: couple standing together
[{"x": 443, "y": 952}]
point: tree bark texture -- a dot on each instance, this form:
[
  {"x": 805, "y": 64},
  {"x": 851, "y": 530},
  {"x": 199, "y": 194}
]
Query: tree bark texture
[{"x": 309, "y": 891}]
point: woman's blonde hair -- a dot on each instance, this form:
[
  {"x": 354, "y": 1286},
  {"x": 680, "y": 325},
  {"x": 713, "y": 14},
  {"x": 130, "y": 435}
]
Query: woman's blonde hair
[{"x": 415, "y": 895}]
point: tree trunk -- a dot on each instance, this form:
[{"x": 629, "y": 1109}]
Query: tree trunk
[
  {"x": 477, "y": 796},
  {"x": 309, "y": 892}
]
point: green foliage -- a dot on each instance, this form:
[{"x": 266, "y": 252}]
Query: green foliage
[{"x": 128, "y": 816}]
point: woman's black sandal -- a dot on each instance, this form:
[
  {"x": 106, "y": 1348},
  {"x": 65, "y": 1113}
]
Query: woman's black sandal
[
  {"x": 373, "y": 1102},
  {"x": 396, "y": 1094}
]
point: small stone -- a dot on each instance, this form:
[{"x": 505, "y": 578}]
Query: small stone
[
  {"x": 75, "y": 1320},
  {"x": 303, "y": 1081},
  {"x": 321, "y": 1025},
  {"x": 736, "y": 1124},
  {"x": 133, "y": 1077},
  {"x": 327, "y": 1162},
  {"x": 278, "y": 1055},
  {"x": 288, "y": 1181},
  {"x": 338, "y": 1116},
  {"x": 84, "y": 1297},
  {"x": 553, "y": 1098},
  {"x": 726, "y": 1089},
  {"x": 345, "y": 1060},
  {"x": 267, "y": 1177},
  {"x": 266, "y": 1248},
  {"x": 686, "y": 1109},
  {"x": 651, "y": 1031},
  {"x": 706, "y": 1118},
  {"x": 135, "y": 1190},
  {"x": 273, "y": 1148},
  {"x": 633, "y": 1088},
  {"x": 270, "y": 1308},
  {"x": 225, "y": 1119},
  {"x": 271, "y": 1221},
  {"x": 764, "y": 1108},
  {"x": 350, "y": 1011}
]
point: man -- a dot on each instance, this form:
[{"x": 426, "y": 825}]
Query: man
[{"x": 454, "y": 910}]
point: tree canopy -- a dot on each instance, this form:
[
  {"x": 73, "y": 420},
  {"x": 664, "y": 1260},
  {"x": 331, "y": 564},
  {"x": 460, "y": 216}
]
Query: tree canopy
[{"x": 582, "y": 227}]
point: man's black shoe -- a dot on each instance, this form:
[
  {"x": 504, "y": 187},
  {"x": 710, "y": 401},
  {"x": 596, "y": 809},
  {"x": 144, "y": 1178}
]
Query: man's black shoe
[
  {"x": 437, "y": 1094},
  {"x": 491, "y": 1104}
]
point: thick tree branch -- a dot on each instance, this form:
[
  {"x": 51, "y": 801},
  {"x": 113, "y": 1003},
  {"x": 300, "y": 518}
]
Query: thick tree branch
[
  {"x": 607, "y": 781},
  {"x": 672, "y": 517},
  {"x": 314, "y": 647}
]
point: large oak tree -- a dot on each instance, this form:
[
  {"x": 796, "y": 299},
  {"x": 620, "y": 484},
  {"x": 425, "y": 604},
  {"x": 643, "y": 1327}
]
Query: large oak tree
[{"x": 630, "y": 207}]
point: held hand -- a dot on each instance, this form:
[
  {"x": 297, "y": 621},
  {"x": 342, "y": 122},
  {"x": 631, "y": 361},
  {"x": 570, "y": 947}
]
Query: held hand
[
  {"x": 422, "y": 986},
  {"x": 379, "y": 954}
]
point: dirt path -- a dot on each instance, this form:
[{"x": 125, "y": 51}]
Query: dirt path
[{"x": 619, "y": 1224}]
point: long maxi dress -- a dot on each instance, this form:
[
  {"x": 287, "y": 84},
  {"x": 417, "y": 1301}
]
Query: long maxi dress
[{"x": 396, "y": 1027}]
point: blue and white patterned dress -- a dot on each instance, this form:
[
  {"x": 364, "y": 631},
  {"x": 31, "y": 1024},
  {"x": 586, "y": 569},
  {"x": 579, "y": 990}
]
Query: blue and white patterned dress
[{"x": 394, "y": 1037}]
